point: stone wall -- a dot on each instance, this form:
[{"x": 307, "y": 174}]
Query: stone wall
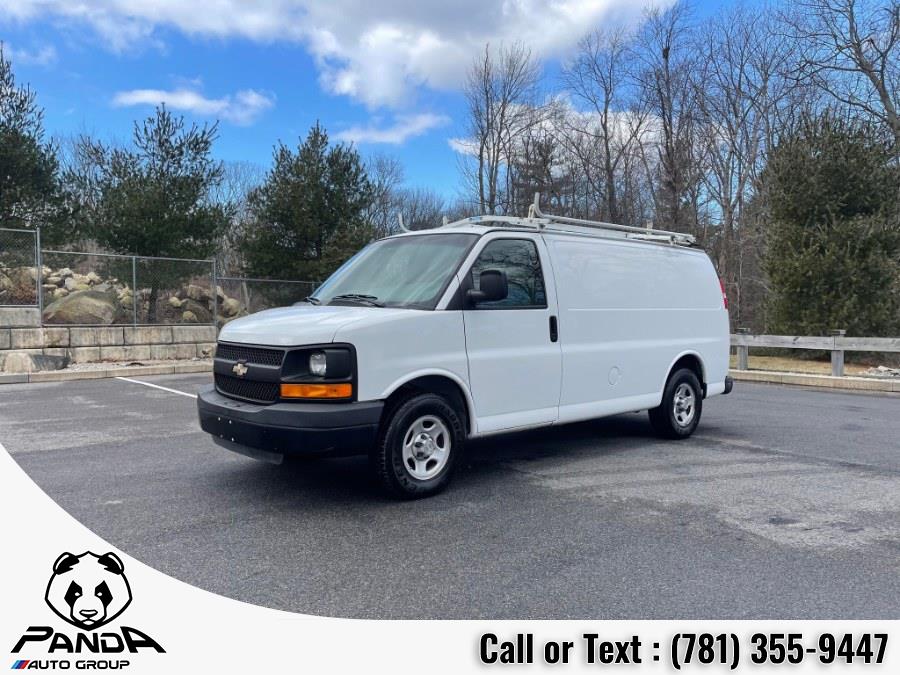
[
  {"x": 111, "y": 343},
  {"x": 19, "y": 316}
]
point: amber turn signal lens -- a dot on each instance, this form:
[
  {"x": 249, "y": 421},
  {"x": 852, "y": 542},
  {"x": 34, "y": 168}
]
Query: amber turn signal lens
[{"x": 343, "y": 390}]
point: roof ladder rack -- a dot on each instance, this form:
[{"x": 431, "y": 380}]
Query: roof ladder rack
[
  {"x": 546, "y": 221},
  {"x": 538, "y": 220}
]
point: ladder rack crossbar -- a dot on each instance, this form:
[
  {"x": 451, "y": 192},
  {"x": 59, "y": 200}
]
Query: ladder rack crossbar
[
  {"x": 538, "y": 220},
  {"x": 532, "y": 223},
  {"x": 675, "y": 237}
]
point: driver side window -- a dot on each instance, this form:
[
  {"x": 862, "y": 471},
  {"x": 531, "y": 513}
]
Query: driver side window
[{"x": 519, "y": 259}]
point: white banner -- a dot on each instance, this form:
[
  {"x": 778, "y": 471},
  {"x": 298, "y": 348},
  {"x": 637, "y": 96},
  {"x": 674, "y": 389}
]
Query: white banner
[{"x": 72, "y": 601}]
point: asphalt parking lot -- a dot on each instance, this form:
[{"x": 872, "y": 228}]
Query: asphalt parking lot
[{"x": 785, "y": 504}]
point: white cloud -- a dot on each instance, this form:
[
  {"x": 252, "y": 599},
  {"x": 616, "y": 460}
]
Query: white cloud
[
  {"x": 626, "y": 127},
  {"x": 403, "y": 128},
  {"x": 463, "y": 146},
  {"x": 39, "y": 56},
  {"x": 377, "y": 52},
  {"x": 242, "y": 108}
]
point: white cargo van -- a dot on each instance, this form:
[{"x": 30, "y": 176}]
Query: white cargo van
[{"x": 487, "y": 325}]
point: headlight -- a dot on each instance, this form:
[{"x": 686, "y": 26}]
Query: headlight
[
  {"x": 319, "y": 372},
  {"x": 318, "y": 364}
]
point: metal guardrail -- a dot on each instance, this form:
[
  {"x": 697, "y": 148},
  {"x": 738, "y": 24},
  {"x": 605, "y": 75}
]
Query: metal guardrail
[{"x": 837, "y": 343}]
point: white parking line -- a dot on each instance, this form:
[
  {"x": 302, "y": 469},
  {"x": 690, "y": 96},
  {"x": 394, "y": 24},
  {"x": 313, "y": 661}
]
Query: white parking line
[{"x": 156, "y": 386}]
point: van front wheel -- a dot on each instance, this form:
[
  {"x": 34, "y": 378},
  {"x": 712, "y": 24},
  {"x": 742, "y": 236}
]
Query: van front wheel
[
  {"x": 417, "y": 448},
  {"x": 679, "y": 413}
]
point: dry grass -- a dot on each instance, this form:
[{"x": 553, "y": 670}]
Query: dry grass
[{"x": 785, "y": 364}]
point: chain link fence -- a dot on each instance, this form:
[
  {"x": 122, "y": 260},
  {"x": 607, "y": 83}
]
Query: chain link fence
[
  {"x": 96, "y": 289},
  {"x": 19, "y": 268},
  {"x": 246, "y": 296},
  {"x": 103, "y": 289},
  {"x": 86, "y": 288},
  {"x": 173, "y": 291}
]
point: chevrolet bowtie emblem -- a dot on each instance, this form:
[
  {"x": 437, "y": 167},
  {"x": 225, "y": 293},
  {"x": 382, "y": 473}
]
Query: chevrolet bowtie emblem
[{"x": 239, "y": 369}]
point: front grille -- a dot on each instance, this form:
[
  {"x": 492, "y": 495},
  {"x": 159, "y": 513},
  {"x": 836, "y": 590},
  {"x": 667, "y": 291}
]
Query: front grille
[
  {"x": 250, "y": 390},
  {"x": 260, "y": 355}
]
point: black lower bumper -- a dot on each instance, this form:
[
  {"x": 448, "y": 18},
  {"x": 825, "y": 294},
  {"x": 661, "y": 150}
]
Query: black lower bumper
[
  {"x": 729, "y": 384},
  {"x": 290, "y": 428}
]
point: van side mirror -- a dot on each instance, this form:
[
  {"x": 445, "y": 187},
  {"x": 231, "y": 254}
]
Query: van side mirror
[{"x": 493, "y": 286}]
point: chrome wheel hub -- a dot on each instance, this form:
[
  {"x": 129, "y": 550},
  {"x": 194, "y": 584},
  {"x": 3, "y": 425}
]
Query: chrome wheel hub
[
  {"x": 684, "y": 404},
  {"x": 426, "y": 447}
]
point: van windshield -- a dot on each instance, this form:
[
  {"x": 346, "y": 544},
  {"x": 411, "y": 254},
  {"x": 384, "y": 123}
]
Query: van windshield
[{"x": 407, "y": 272}]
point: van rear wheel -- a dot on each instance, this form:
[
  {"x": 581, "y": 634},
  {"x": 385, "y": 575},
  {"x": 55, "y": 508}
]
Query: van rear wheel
[
  {"x": 679, "y": 413},
  {"x": 417, "y": 449}
]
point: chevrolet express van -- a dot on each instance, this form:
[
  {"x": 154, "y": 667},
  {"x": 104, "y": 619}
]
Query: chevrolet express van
[{"x": 488, "y": 325}]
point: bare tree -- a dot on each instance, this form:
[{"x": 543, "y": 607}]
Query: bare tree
[
  {"x": 852, "y": 51},
  {"x": 500, "y": 92},
  {"x": 386, "y": 176},
  {"x": 599, "y": 77},
  {"x": 739, "y": 85},
  {"x": 239, "y": 179},
  {"x": 583, "y": 159},
  {"x": 537, "y": 162},
  {"x": 667, "y": 61},
  {"x": 422, "y": 209},
  {"x": 458, "y": 208}
]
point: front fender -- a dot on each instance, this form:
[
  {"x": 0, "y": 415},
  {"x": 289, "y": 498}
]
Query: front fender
[{"x": 437, "y": 372}]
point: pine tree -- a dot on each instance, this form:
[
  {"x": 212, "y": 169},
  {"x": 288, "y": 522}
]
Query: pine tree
[
  {"x": 833, "y": 256},
  {"x": 30, "y": 189},
  {"x": 308, "y": 216},
  {"x": 154, "y": 198}
]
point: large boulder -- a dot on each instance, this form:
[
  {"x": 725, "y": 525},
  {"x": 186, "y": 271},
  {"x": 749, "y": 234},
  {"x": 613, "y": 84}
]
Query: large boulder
[
  {"x": 197, "y": 293},
  {"x": 22, "y": 277},
  {"x": 230, "y": 307},
  {"x": 76, "y": 283},
  {"x": 83, "y": 307},
  {"x": 24, "y": 362},
  {"x": 17, "y": 285},
  {"x": 198, "y": 313}
]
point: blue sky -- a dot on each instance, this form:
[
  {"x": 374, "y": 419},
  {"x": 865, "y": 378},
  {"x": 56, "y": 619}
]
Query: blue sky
[{"x": 384, "y": 73}]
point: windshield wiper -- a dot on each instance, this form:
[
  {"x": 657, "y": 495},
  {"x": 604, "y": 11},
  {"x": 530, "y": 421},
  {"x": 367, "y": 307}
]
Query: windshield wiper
[
  {"x": 371, "y": 300},
  {"x": 312, "y": 300}
]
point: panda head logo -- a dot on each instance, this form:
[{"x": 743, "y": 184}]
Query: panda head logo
[{"x": 88, "y": 590}]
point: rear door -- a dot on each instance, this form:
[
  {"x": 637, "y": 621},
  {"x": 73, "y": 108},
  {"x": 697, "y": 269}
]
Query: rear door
[{"x": 513, "y": 348}]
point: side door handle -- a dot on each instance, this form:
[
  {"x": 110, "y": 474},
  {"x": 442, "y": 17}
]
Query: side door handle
[{"x": 554, "y": 329}]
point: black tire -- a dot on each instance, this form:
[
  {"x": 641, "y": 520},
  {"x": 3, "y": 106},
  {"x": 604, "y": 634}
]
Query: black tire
[
  {"x": 391, "y": 467},
  {"x": 669, "y": 422}
]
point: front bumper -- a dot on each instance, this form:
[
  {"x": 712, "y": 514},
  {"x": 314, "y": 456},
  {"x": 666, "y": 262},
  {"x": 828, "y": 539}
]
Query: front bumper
[{"x": 289, "y": 428}]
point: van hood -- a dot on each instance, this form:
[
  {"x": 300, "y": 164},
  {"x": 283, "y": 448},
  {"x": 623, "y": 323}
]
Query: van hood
[{"x": 300, "y": 325}]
